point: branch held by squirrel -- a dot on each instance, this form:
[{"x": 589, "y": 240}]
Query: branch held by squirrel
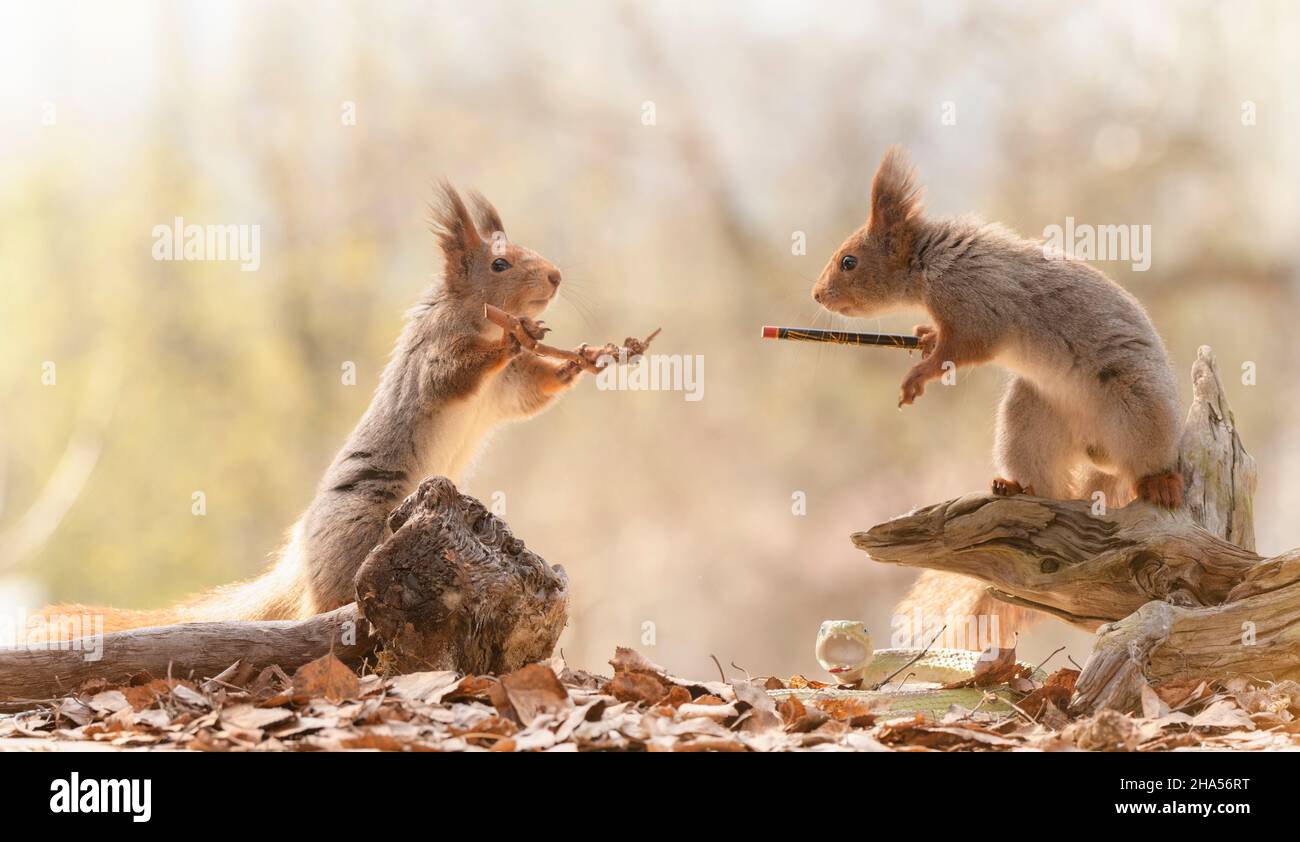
[{"x": 586, "y": 356}]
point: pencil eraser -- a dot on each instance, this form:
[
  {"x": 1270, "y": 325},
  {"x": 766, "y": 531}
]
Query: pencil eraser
[{"x": 769, "y": 332}]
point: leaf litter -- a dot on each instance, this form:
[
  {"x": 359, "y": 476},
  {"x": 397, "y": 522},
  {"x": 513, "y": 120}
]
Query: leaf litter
[{"x": 548, "y": 706}]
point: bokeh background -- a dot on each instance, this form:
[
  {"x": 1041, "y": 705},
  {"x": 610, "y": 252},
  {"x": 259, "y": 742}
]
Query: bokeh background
[{"x": 769, "y": 118}]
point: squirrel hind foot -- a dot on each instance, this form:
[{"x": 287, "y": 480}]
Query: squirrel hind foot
[
  {"x": 1009, "y": 487},
  {"x": 1163, "y": 489}
]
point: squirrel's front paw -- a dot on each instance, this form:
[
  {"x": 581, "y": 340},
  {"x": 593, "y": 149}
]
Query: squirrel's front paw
[
  {"x": 510, "y": 344},
  {"x": 568, "y": 372},
  {"x": 913, "y": 387},
  {"x": 537, "y": 330},
  {"x": 928, "y": 338}
]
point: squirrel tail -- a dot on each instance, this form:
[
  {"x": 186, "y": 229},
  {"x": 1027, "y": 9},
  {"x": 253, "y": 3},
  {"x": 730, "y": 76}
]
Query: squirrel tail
[
  {"x": 974, "y": 618},
  {"x": 278, "y": 594}
]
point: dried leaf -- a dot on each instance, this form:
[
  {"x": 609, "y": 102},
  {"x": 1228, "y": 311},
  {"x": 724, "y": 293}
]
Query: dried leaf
[
  {"x": 718, "y": 713},
  {"x": 630, "y": 660},
  {"x": 146, "y": 695},
  {"x": 857, "y": 712},
  {"x": 250, "y": 718},
  {"x": 108, "y": 702},
  {"x": 640, "y": 687},
  {"x": 1056, "y": 691},
  {"x": 534, "y": 689},
  {"x": 1181, "y": 692},
  {"x": 327, "y": 677},
  {"x": 678, "y": 696},
  {"x": 1223, "y": 714},
  {"x": 427, "y": 687}
]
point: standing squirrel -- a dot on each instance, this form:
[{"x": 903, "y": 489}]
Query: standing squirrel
[
  {"x": 452, "y": 378},
  {"x": 1093, "y": 403}
]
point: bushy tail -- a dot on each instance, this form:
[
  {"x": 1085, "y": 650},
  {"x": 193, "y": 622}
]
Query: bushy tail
[
  {"x": 278, "y": 594},
  {"x": 974, "y": 619}
]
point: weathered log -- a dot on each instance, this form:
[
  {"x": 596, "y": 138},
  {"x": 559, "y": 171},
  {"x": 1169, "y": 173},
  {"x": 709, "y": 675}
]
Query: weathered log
[
  {"x": 1257, "y": 637},
  {"x": 449, "y": 588},
  {"x": 1255, "y": 633},
  {"x": 452, "y": 588},
  {"x": 1060, "y": 557},
  {"x": 200, "y": 650}
]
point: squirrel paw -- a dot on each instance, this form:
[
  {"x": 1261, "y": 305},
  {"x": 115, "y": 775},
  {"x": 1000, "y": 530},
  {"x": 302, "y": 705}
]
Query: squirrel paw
[
  {"x": 929, "y": 338},
  {"x": 535, "y": 329},
  {"x": 1009, "y": 487},
  {"x": 510, "y": 344},
  {"x": 566, "y": 372},
  {"x": 913, "y": 388},
  {"x": 1164, "y": 489}
]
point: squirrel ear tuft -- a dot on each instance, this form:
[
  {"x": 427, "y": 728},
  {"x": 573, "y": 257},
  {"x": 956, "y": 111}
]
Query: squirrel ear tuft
[
  {"x": 895, "y": 195},
  {"x": 454, "y": 226},
  {"x": 489, "y": 221}
]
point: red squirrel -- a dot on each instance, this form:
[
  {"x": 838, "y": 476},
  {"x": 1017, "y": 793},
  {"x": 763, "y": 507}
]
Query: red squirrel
[
  {"x": 1093, "y": 403},
  {"x": 452, "y": 378}
]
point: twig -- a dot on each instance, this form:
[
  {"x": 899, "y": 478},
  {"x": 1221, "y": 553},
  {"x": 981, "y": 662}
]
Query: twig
[
  {"x": 1019, "y": 710},
  {"x": 1048, "y": 658},
  {"x": 718, "y": 664},
  {"x": 585, "y": 356}
]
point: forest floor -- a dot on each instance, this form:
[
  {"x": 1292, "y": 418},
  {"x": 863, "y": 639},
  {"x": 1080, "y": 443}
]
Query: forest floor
[{"x": 550, "y": 707}]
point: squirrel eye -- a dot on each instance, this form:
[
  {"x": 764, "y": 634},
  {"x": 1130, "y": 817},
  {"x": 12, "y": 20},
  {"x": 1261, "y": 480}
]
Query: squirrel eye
[
  {"x": 500, "y": 264},
  {"x": 847, "y": 262}
]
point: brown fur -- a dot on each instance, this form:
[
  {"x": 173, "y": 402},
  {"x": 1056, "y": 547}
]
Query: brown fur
[
  {"x": 1093, "y": 405},
  {"x": 452, "y": 378}
]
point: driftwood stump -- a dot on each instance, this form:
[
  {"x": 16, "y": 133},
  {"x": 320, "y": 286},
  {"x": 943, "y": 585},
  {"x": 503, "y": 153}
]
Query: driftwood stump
[
  {"x": 1218, "y": 474},
  {"x": 1172, "y": 595},
  {"x": 454, "y": 589},
  {"x": 449, "y": 588}
]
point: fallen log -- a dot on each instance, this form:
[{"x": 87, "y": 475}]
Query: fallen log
[
  {"x": 38, "y": 673},
  {"x": 449, "y": 588}
]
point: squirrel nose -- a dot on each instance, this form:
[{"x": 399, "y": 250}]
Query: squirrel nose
[{"x": 554, "y": 277}]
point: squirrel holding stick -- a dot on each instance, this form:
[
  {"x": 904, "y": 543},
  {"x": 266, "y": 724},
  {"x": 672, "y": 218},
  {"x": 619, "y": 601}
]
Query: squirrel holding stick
[
  {"x": 1093, "y": 403},
  {"x": 452, "y": 378}
]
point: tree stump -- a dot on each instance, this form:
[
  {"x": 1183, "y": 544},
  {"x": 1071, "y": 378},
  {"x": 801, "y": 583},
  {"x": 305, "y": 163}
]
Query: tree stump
[{"x": 452, "y": 588}]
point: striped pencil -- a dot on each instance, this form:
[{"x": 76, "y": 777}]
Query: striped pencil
[{"x": 840, "y": 337}]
